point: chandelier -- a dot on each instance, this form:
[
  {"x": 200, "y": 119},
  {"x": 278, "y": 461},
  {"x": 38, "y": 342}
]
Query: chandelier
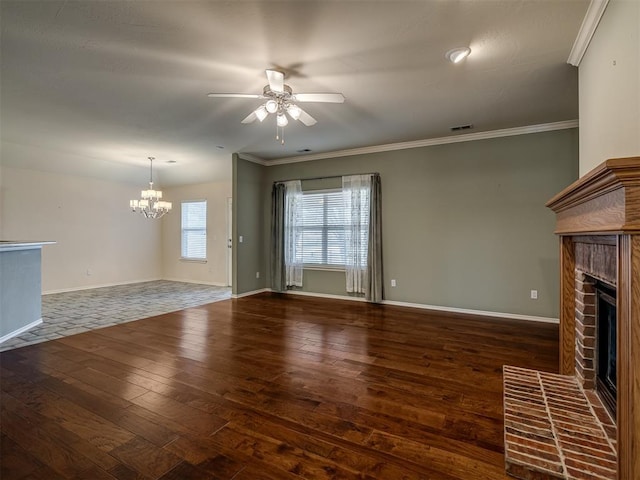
[{"x": 150, "y": 204}]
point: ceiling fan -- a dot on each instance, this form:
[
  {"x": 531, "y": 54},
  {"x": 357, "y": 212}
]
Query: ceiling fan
[{"x": 281, "y": 101}]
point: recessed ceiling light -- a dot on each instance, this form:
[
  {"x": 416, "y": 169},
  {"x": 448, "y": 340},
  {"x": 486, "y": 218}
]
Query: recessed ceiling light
[
  {"x": 220, "y": 147},
  {"x": 458, "y": 54}
]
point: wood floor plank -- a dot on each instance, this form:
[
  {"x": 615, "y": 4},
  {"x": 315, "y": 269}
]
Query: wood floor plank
[
  {"x": 197, "y": 421},
  {"x": 146, "y": 458},
  {"x": 224, "y": 460},
  {"x": 16, "y": 422},
  {"x": 16, "y": 461},
  {"x": 355, "y": 457},
  {"x": 268, "y": 387},
  {"x": 113, "y": 409},
  {"x": 96, "y": 430}
]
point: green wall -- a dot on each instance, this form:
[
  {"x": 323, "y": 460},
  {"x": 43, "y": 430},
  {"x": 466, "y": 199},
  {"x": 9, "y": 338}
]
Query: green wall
[
  {"x": 248, "y": 255},
  {"x": 464, "y": 224}
]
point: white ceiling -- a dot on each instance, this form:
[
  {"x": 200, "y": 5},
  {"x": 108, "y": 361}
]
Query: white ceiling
[{"x": 95, "y": 87}]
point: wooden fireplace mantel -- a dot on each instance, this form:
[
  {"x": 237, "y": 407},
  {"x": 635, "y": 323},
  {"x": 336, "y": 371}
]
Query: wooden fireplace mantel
[
  {"x": 606, "y": 203},
  {"x": 605, "y": 200}
]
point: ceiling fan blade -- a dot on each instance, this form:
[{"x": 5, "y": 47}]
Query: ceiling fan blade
[
  {"x": 319, "y": 97},
  {"x": 250, "y": 118},
  {"x": 276, "y": 80},
  {"x": 307, "y": 119},
  {"x": 233, "y": 95}
]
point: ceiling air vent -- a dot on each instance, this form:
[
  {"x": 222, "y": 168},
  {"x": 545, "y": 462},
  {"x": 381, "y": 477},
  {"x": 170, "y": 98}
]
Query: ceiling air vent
[{"x": 462, "y": 127}]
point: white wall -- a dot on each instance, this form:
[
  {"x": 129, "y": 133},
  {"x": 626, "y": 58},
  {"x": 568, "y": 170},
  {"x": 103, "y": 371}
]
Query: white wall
[
  {"x": 609, "y": 76},
  {"x": 91, "y": 222},
  {"x": 214, "y": 271}
]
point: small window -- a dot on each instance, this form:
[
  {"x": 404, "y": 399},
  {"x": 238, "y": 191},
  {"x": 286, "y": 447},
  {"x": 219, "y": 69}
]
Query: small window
[
  {"x": 194, "y": 230},
  {"x": 324, "y": 228}
]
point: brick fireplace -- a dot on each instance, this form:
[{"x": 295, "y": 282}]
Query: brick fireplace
[
  {"x": 598, "y": 222},
  {"x": 556, "y": 425}
]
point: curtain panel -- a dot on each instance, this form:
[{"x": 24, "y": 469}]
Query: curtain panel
[
  {"x": 355, "y": 193},
  {"x": 293, "y": 223},
  {"x": 277, "y": 238},
  {"x": 286, "y": 231},
  {"x": 363, "y": 235},
  {"x": 374, "y": 290}
]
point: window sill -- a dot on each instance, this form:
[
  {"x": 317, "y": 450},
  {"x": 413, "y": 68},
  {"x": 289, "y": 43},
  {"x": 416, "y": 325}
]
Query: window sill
[
  {"x": 324, "y": 268},
  {"x": 193, "y": 260}
]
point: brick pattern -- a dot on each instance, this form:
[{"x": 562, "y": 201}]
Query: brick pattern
[
  {"x": 554, "y": 429},
  {"x": 585, "y": 330}
]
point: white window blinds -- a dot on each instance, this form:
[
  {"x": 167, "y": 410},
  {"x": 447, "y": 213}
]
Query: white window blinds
[
  {"x": 194, "y": 230},
  {"x": 325, "y": 216}
]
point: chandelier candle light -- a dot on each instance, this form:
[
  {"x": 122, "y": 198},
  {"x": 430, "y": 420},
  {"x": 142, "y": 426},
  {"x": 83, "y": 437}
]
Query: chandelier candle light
[{"x": 150, "y": 204}]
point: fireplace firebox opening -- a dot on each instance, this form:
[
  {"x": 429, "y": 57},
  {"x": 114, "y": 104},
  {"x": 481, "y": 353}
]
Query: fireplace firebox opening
[{"x": 606, "y": 351}]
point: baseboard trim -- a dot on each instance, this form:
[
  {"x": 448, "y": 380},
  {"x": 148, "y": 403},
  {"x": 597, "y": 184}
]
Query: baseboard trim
[
  {"x": 197, "y": 282},
  {"x": 17, "y": 332},
  {"x": 248, "y": 294},
  {"x": 438, "y": 308},
  {"x": 479, "y": 313},
  {"x": 324, "y": 295},
  {"x": 104, "y": 285}
]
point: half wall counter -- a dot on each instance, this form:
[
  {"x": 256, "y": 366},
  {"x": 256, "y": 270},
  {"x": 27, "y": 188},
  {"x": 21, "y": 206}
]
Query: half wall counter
[{"x": 20, "y": 286}]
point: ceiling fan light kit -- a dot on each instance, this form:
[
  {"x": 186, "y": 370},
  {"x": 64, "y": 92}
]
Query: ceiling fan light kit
[
  {"x": 261, "y": 112},
  {"x": 280, "y": 100},
  {"x": 456, "y": 55},
  {"x": 271, "y": 106},
  {"x": 281, "y": 120}
]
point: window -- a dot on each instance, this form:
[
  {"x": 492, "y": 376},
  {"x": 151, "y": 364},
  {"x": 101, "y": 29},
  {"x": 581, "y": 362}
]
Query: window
[
  {"x": 194, "y": 230},
  {"x": 325, "y": 217}
]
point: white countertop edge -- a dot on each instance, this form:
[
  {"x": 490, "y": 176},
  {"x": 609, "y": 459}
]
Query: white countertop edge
[{"x": 10, "y": 245}]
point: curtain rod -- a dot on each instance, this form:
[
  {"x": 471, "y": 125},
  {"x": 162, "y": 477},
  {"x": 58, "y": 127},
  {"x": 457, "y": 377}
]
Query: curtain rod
[{"x": 322, "y": 178}]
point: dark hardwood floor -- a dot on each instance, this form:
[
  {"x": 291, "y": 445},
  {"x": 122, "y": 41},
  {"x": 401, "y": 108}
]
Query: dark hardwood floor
[{"x": 268, "y": 387}]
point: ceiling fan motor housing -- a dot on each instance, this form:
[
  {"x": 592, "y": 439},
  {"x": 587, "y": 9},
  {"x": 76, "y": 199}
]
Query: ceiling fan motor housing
[{"x": 281, "y": 99}]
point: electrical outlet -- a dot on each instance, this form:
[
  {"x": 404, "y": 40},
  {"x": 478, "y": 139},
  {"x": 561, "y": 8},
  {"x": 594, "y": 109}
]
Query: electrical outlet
[
  {"x": 89, "y": 272},
  {"x": 257, "y": 274},
  {"x": 534, "y": 294},
  {"x": 393, "y": 282},
  {"x": 240, "y": 239}
]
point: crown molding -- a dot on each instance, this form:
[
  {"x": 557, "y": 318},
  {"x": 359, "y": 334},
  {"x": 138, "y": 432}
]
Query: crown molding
[
  {"x": 587, "y": 30},
  {"x": 469, "y": 137},
  {"x": 252, "y": 158}
]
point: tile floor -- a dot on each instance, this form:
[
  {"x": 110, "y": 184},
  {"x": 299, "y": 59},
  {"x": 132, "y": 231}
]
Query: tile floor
[{"x": 69, "y": 313}]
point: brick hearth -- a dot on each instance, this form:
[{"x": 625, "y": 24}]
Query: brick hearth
[{"x": 554, "y": 429}]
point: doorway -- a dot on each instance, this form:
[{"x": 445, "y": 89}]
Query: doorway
[{"x": 229, "y": 241}]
